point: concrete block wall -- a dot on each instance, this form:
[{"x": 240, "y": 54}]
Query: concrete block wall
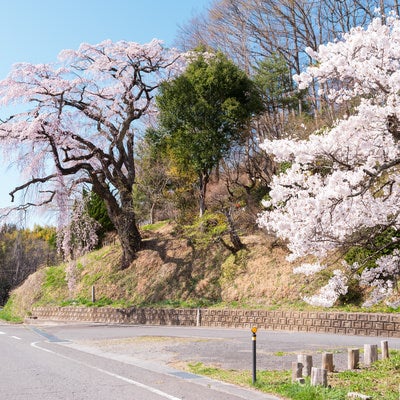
[
  {"x": 364, "y": 324},
  {"x": 137, "y": 316}
]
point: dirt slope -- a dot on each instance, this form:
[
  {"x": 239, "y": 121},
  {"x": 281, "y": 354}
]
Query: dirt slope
[{"x": 172, "y": 268}]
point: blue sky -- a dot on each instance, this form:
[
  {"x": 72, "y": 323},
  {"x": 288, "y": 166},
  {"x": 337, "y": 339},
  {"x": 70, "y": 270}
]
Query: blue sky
[{"x": 36, "y": 31}]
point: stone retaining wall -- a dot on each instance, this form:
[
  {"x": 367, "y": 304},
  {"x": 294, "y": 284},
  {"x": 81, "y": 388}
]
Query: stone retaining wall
[
  {"x": 364, "y": 324},
  {"x": 137, "y": 316}
]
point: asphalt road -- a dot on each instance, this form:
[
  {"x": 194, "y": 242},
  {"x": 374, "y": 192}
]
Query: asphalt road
[
  {"x": 93, "y": 361},
  {"x": 49, "y": 363},
  {"x": 228, "y": 348}
]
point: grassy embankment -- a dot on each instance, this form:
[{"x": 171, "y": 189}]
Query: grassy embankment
[{"x": 175, "y": 268}]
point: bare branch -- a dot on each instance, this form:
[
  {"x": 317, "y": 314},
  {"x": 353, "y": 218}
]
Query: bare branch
[{"x": 30, "y": 183}]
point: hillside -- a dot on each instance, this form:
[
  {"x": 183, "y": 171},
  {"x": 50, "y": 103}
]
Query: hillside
[{"x": 170, "y": 269}]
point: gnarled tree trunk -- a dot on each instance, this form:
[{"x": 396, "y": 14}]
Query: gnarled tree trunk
[
  {"x": 129, "y": 236},
  {"x": 123, "y": 217}
]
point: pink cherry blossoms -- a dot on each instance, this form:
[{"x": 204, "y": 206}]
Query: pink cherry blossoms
[
  {"x": 79, "y": 122},
  {"x": 343, "y": 185}
]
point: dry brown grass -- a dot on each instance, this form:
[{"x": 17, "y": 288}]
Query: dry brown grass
[
  {"x": 170, "y": 268},
  {"x": 28, "y": 293}
]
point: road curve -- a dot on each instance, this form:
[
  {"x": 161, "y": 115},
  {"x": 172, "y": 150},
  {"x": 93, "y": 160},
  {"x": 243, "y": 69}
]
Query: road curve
[{"x": 51, "y": 363}]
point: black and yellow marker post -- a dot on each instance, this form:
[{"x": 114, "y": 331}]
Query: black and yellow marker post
[{"x": 254, "y": 340}]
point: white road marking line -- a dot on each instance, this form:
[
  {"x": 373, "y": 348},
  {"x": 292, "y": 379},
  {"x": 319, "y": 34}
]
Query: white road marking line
[
  {"x": 16, "y": 337},
  {"x": 120, "y": 377},
  {"x": 2, "y": 333}
]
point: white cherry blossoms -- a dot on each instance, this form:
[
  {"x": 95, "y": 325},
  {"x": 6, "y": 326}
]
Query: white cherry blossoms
[{"x": 342, "y": 187}]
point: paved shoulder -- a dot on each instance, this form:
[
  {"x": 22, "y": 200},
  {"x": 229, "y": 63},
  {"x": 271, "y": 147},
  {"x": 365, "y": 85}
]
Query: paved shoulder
[{"x": 157, "y": 367}]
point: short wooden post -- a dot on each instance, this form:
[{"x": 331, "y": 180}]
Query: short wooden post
[
  {"x": 370, "y": 353},
  {"x": 319, "y": 376},
  {"x": 93, "y": 294},
  {"x": 327, "y": 362},
  {"x": 297, "y": 371},
  {"x": 384, "y": 349},
  {"x": 353, "y": 358},
  {"x": 307, "y": 362},
  {"x": 198, "y": 317}
]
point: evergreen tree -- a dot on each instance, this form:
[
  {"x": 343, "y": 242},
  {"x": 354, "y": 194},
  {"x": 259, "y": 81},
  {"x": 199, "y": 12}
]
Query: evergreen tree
[
  {"x": 203, "y": 112},
  {"x": 97, "y": 210}
]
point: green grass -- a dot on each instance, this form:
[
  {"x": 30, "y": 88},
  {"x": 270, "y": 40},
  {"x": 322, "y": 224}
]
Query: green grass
[
  {"x": 121, "y": 303},
  {"x": 7, "y": 314},
  {"x": 381, "y": 381},
  {"x": 119, "y": 288},
  {"x": 55, "y": 277},
  {"x": 89, "y": 280},
  {"x": 101, "y": 302},
  {"x": 155, "y": 226},
  {"x": 300, "y": 305},
  {"x": 178, "y": 303}
]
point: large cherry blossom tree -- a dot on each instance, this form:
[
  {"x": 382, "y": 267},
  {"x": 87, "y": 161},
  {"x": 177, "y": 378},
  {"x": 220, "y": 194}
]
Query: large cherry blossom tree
[
  {"x": 78, "y": 125},
  {"x": 340, "y": 188}
]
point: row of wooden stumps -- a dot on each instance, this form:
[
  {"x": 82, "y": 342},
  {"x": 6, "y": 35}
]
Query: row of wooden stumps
[{"x": 319, "y": 376}]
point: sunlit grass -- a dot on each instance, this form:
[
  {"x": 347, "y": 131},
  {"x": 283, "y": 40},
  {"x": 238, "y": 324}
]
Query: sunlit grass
[
  {"x": 7, "y": 314},
  {"x": 381, "y": 381}
]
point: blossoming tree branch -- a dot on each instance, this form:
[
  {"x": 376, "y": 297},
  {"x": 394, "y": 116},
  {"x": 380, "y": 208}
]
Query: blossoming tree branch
[
  {"x": 342, "y": 190},
  {"x": 79, "y": 122}
]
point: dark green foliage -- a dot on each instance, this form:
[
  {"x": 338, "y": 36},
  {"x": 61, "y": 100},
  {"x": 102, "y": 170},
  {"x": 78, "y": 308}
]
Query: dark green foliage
[
  {"x": 379, "y": 245},
  {"x": 204, "y": 112},
  {"x": 206, "y": 109},
  {"x": 364, "y": 257},
  {"x": 354, "y": 295},
  {"x": 260, "y": 193},
  {"x": 97, "y": 210},
  {"x": 154, "y": 140},
  {"x": 5, "y": 288},
  {"x": 273, "y": 77},
  {"x": 207, "y": 229}
]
